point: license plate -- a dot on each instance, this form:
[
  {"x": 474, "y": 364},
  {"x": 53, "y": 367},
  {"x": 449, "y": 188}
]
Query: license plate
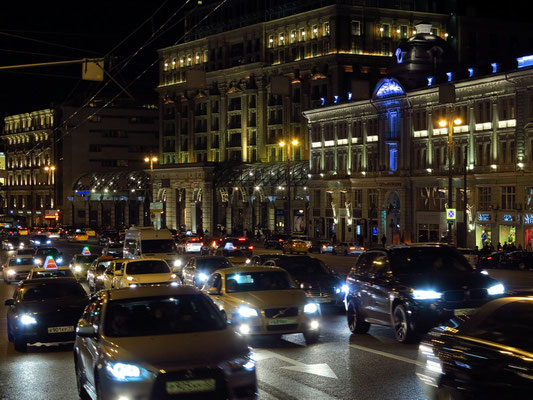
[
  {"x": 283, "y": 321},
  {"x": 464, "y": 311},
  {"x": 60, "y": 329},
  {"x": 191, "y": 386}
]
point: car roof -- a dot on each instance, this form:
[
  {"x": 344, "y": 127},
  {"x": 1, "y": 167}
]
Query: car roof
[
  {"x": 129, "y": 260},
  {"x": 151, "y": 291},
  {"x": 62, "y": 280},
  {"x": 55, "y": 269},
  {"x": 246, "y": 269}
]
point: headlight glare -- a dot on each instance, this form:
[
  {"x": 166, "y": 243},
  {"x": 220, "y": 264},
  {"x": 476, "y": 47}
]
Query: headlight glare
[
  {"x": 27, "y": 319},
  {"x": 496, "y": 289},
  {"x": 426, "y": 295},
  {"x": 202, "y": 277},
  {"x": 247, "y": 312},
  {"x": 59, "y": 260},
  {"x": 77, "y": 268},
  {"x": 310, "y": 308},
  {"x": 246, "y": 362},
  {"x": 11, "y": 272},
  {"x": 177, "y": 263},
  {"x": 127, "y": 372}
]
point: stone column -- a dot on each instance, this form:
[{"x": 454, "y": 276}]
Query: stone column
[
  {"x": 189, "y": 207},
  {"x": 141, "y": 213},
  {"x": 99, "y": 206},
  {"x": 87, "y": 213},
  {"x": 207, "y": 208},
  {"x": 170, "y": 208}
]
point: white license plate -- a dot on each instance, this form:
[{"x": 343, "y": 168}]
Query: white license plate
[
  {"x": 60, "y": 329},
  {"x": 191, "y": 386},
  {"x": 464, "y": 311},
  {"x": 283, "y": 321}
]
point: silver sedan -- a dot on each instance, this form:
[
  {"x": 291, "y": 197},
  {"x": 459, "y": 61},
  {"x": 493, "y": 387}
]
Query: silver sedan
[{"x": 157, "y": 342}]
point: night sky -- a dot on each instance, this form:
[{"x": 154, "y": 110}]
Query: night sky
[{"x": 57, "y": 31}]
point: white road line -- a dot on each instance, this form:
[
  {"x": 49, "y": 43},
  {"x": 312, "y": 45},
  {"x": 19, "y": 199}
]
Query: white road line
[
  {"x": 293, "y": 388},
  {"x": 385, "y": 354}
]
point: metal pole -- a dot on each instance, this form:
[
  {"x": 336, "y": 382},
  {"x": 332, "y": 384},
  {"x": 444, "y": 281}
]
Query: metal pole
[
  {"x": 450, "y": 175},
  {"x": 288, "y": 229},
  {"x": 465, "y": 219}
]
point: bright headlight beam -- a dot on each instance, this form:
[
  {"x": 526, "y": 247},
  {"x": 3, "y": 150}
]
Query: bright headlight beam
[
  {"x": 310, "y": 308},
  {"x": 247, "y": 312},
  {"x": 202, "y": 277},
  {"x": 496, "y": 289},
  {"x": 123, "y": 371},
  {"x": 27, "y": 319},
  {"x": 426, "y": 295}
]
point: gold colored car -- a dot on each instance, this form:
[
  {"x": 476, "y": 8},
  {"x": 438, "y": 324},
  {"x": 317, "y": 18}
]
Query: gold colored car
[
  {"x": 264, "y": 301},
  {"x": 295, "y": 246}
]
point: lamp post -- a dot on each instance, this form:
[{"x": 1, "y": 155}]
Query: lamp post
[
  {"x": 151, "y": 159},
  {"x": 450, "y": 124},
  {"x": 289, "y": 144},
  {"x": 50, "y": 169}
]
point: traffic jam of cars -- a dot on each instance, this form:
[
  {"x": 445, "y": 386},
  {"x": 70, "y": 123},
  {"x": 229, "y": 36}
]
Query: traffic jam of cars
[{"x": 170, "y": 314}]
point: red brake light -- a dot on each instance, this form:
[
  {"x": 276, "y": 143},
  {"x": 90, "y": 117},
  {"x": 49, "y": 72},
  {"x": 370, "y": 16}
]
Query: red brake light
[
  {"x": 202, "y": 244},
  {"x": 251, "y": 247},
  {"x": 352, "y": 248},
  {"x": 281, "y": 240},
  {"x": 323, "y": 246},
  {"x": 242, "y": 239},
  {"x": 489, "y": 258}
]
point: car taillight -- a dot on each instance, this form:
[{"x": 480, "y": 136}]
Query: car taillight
[
  {"x": 352, "y": 248},
  {"x": 281, "y": 240},
  {"x": 293, "y": 245},
  {"x": 489, "y": 258},
  {"x": 323, "y": 246},
  {"x": 202, "y": 244},
  {"x": 214, "y": 244},
  {"x": 242, "y": 239}
]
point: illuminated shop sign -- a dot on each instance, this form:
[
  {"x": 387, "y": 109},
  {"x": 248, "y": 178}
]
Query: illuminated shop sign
[
  {"x": 508, "y": 218},
  {"x": 528, "y": 218},
  {"x": 483, "y": 217}
]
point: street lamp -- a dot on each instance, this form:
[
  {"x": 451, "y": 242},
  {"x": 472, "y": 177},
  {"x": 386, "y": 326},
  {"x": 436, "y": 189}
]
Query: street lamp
[
  {"x": 450, "y": 124},
  {"x": 289, "y": 145},
  {"x": 151, "y": 159},
  {"x": 50, "y": 169}
]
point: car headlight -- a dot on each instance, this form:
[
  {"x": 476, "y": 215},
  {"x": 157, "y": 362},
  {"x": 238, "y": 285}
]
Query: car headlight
[
  {"x": 248, "y": 261},
  {"x": 484, "y": 272},
  {"x": 247, "y": 312},
  {"x": 177, "y": 263},
  {"x": 37, "y": 261},
  {"x": 246, "y": 363},
  {"x": 48, "y": 242},
  {"x": 343, "y": 289},
  {"x": 127, "y": 372},
  {"x": 426, "y": 295},
  {"x": 173, "y": 276},
  {"x": 202, "y": 277},
  {"x": 21, "y": 245},
  {"x": 130, "y": 278},
  {"x": 100, "y": 277},
  {"x": 496, "y": 289},
  {"x": 27, "y": 319},
  {"x": 59, "y": 260},
  {"x": 77, "y": 268},
  {"x": 11, "y": 272},
  {"x": 310, "y": 308},
  {"x": 37, "y": 242}
]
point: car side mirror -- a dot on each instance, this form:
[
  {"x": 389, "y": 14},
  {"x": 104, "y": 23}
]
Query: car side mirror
[
  {"x": 214, "y": 291},
  {"x": 84, "y": 329},
  {"x": 9, "y": 302}
]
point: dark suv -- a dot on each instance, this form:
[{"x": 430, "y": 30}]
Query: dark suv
[{"x": 413, "y": 289}]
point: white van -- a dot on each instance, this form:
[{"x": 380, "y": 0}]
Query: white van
[{"x": 146, "y": 241}]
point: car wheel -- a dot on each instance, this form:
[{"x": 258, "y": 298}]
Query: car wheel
[
  {"x": 356, "y": 323},
  {"x": 402, "y": 329},
  {"x": 20, "y": 345},
  {"x": 311, "y": 337}
]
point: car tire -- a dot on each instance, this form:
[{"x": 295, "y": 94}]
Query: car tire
[
  {"x": 311, "y": 337},
  {"x": 20, "y": 345},
  {"x": 356, "y": 323},
  {"x": 402, "y": 329}
]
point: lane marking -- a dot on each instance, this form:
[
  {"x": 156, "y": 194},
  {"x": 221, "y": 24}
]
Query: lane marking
[
  {"x": 320, "y": 369},
  {"x": 292, "y": 388},
  {"x": 385, "y": 354}
]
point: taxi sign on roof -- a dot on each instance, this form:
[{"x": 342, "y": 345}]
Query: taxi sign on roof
[
  {"x": 86, "y": 251},
  {"x": 49, "y": 263}
]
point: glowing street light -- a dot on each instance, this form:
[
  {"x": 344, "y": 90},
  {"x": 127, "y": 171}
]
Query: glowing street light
[
  {"x": 151, "y": 159},
  {"x": 289, "y": 144}
]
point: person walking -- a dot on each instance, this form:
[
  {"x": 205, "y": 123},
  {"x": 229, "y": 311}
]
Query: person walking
[{"x": 384, "y": 240}]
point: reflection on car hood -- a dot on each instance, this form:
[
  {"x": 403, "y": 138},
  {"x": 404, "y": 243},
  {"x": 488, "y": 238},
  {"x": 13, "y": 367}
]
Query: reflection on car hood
[
  {"x": 148, "y": 278},
  {"x": 61, "y": 304},
  {"x": 271, "y": 298},
  {"x": 179, "y": 350},
  {"x": 322, "y": 281},
  {"x": 442, "y": 282}
]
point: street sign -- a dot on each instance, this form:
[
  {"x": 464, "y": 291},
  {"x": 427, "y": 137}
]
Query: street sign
[
  {"x": 49, "y": 263},
  {"x": 451, "y": 214}
]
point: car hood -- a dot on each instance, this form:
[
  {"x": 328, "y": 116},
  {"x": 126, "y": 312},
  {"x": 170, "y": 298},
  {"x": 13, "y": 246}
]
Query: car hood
[
  {"x": 443, "y": 282},
  {"x": 178, "y": 350},
  {"x": 21, "y": 267},
  {"x": 61, "y": 304},
  {"x": 271, "y": 298},
  {"x": 148, "y": 278}
]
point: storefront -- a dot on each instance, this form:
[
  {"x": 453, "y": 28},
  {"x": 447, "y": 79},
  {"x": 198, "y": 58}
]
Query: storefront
[
  {"x": 484, "y": 230},
  {"x": 507, "y": 229},
  {"x": 528, "y": 229}
]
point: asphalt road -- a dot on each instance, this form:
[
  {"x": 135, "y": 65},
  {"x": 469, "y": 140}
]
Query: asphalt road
[{"x": 339, "y": 366}]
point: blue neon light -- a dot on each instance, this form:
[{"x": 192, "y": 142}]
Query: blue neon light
[
  {"x": 494, "y": 67},
  {"x": 526, "y": 61},
  {"x": 388, "y": 88},
  {"x": 323, "y": 101},
  {"x": 470, "y": 72},
  {"x": 399, "y": 55},
  {"x": 430, "y": 80},
  {"x": 349, "y": 95},
  {"x": 336, "y": 99},
  {"x": 449, "y": 75}
]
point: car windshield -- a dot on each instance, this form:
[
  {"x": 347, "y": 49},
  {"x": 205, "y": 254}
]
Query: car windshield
[
  {"x": 52, "y": 290},
  {"x": 47, "y": 252},
  {"x": 25, "y": 252},
  {"x": 441, "y": 260},
  {"x": 303, "y": 266},
  {"x": 147, "y": 267},
  {"x": 62, "y": 273},
  {"x": 20, "y": 261},
  {"x": 118, "y": 266},
  {"x": 158, "y": 246},
  {"x": 254, "y": 281},
  {"x": 165, "y": 315},
  {"x": 212, "y": 264},
  {"x": 85, "y": 259}
]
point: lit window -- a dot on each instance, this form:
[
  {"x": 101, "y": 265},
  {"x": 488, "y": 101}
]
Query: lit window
[
  {"x": 314, "y": 32},
  {"x": 356, "y": 28},
  {"x": 281, "y": 39},
  {"x": 302, "y": 34},
  {"x": 293, "y": 37},
  {"x": 325, "y": 29},
  {"x": 174, "y": 64},
  {"x": 271, "y": 41},
  {"x": 403, "y": 32},
  {"x": 385, "y": 30}
]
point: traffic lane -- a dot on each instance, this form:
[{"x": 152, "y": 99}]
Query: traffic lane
[
  {"x": 341, "y": 365},
  {"x": 514, "y": 281}
]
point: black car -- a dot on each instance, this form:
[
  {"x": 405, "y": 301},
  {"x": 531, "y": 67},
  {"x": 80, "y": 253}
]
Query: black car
[
  {"x": 198, "y": 269},
  {"x": 413, "y": 289},
  {"x": 491, "y": 260},
  {"x": 517, "y": 260},
  {"x": 487, "y": 355},
  {"x": 40, "y": 240},
  {"x": 42, "y": 252},
  {"x": 12, "y": 243},
  {"x": 44, "y": 310},
  {"x": 110, "y": 237},
  {"x": 237, "y": 243},
  {"x": 275, "y": 241},
  {"x": 319, "y": 282},
  {"x": 260, "y": 259}
]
